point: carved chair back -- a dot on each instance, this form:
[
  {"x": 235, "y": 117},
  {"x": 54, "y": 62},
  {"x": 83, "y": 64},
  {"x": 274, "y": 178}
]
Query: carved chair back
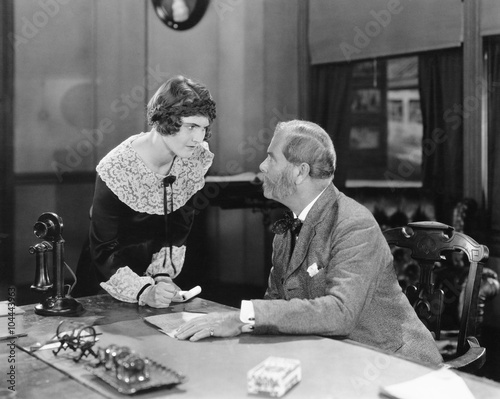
[{"x": 430, "y": 242}]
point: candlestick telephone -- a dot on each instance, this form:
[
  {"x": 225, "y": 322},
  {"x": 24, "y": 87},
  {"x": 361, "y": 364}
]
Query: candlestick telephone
[{"x": 49, "y": 227}]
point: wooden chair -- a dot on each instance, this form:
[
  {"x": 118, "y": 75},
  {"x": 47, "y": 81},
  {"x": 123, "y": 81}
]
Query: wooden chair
[{"x": 431, "y": 242}]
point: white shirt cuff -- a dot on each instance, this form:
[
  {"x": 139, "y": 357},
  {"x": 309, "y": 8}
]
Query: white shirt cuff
[{"x": 247, "y": 315}]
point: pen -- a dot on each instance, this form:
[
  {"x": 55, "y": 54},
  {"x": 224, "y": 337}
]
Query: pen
[{"x": 7, "y": 337}]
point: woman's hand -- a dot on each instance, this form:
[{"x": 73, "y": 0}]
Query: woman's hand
[
  {"x": 226, "y": 324},
  {"x": 160, "y": 295}
]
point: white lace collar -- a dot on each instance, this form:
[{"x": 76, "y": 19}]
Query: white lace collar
[{"x": 127, "y": 176}]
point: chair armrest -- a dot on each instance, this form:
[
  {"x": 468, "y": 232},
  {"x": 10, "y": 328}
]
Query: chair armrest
[{"x": 472, "y": 360}]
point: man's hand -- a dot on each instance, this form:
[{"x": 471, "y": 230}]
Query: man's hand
[
  {"x": 160, "y": 295},
  {"x": 226, "y": 324}
]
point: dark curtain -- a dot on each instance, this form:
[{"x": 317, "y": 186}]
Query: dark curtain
[
  {"x": 493, "y": 48},
  {"x": 331, "y": 109},
  {"x": 441, "y": 92}
]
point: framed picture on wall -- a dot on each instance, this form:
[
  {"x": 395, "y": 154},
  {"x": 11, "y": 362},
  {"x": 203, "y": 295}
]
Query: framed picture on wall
[{"x": 366, "y": 101}]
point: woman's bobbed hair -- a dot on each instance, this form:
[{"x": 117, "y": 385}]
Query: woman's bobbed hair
[{"x": 179, "y": 97}]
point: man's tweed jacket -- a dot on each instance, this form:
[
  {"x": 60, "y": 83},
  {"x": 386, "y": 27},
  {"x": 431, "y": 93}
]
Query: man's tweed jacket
[{"x": 354, "y": 294}]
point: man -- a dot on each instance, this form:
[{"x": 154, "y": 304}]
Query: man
[{"x": 336, "y": 278}]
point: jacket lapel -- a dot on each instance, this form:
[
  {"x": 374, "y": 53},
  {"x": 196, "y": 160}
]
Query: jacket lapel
[{"x": 316, "y": 215}]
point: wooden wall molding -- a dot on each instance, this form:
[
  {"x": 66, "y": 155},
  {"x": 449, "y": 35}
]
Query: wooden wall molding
[
  {"x": 6, "y": 136},
  {"x": 475, "y": 156}
]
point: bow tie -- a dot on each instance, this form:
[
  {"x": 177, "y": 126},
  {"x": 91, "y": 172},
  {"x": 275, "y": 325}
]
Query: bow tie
[{"x": 287, "y": 223}]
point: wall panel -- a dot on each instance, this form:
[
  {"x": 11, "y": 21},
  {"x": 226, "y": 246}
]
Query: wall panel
[
  {"x": 80, "y": 81},
  {"x": 121, "y": 70},
  {"x": 53, "y": 84}
]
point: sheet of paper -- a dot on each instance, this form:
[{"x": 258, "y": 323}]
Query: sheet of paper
[
  {"x": 441, "y": 384},
  {"x": 170, "y": 322}
]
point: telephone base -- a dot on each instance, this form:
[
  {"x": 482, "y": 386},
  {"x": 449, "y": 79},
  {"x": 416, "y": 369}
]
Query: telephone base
[{"x": 60, "y": 306}]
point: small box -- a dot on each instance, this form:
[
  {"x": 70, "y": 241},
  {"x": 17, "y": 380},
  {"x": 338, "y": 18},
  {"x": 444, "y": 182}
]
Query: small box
[{"x": 274, "y": 376}]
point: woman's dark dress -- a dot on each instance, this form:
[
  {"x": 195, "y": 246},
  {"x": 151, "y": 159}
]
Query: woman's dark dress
[{"x": 128, "y": 224}]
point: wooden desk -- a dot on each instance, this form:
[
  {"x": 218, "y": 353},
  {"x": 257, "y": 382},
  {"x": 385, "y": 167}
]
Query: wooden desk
[{"x": 215, "y": 368}]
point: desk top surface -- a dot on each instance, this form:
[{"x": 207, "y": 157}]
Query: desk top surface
[{"x": 214, "y": 368}]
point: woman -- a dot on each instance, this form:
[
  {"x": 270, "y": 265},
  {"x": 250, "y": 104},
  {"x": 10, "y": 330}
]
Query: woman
[{"x": 142, "y": 209}]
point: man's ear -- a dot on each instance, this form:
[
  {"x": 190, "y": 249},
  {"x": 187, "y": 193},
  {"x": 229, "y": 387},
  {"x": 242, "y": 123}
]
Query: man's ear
[{"x": 302, "y": 173}]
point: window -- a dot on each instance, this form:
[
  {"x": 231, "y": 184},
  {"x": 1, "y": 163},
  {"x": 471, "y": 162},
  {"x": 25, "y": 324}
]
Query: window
[{"x": 386, "y": 130}]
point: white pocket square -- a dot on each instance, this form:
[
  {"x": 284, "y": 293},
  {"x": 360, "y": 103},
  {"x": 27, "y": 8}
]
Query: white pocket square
[{"x": 313, "y": 269}]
